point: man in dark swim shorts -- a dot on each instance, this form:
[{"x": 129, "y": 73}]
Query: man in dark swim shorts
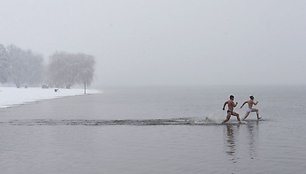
[{"x": 230, "y": 111}]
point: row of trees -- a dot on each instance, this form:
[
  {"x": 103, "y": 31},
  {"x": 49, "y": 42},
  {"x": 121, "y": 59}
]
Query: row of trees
[
  {"x": 25, "y": 68},
  {"x": 20, "y": 66}
]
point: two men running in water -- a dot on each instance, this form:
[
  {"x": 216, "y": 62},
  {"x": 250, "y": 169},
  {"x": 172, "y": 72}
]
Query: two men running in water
[{"x": 231, "y": 105}]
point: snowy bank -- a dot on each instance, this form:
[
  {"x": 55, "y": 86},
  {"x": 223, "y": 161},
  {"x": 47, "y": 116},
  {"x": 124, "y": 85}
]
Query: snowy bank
[{"x": 10, "y": 96}]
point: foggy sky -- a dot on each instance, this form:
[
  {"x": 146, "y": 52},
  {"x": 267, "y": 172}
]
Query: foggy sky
[{"x": 168, "y": 42}]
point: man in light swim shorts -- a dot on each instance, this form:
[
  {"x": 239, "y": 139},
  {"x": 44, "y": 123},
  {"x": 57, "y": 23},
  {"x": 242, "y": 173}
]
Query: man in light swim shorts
[
  {"x": 230, "y": 111},
  {"x": 251, "y": 103}
]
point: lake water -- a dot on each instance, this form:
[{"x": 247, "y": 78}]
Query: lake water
[{"x": 156, "y": 130}]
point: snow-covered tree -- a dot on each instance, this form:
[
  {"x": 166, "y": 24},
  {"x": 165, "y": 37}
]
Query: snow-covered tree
[
  {"x": 34, "y": 66},
  {"x": 66, "y": 69},
  {"x": 60, "y": 71},
  {"x": 25, "y": 67},
  {"x": 85, "y": 70},
  {"x": 17, "y": 70},
  {"x": 4, "y": 64}
]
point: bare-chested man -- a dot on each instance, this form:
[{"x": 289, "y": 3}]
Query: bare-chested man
[
  {"x": 251, "y": 102},
  {"x": 230, "y": 111}
]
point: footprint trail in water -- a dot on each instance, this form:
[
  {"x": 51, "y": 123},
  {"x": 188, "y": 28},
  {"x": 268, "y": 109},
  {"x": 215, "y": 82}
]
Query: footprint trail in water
[{"x": 192, "y": 121}]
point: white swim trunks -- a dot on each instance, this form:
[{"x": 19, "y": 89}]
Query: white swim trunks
[{"x": 251, "y": 110}]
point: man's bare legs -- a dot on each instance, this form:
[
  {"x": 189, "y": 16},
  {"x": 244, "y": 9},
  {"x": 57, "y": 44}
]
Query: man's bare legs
[
  {"x": 237, "y": 115},
  {"x": 256, "y": 110},
  {"x": 252, "y": 110},
  {"x": 229, "y": 114},
  {"x": 246, "y": 115}
]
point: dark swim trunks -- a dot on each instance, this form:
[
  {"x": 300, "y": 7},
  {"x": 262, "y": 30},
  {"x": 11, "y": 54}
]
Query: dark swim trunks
[
  {"x": 232, "y": 112},
  {"x": 229, "y": 111}
]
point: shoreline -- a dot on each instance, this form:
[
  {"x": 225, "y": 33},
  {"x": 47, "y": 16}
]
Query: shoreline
[{"x": 12, "y": 96}]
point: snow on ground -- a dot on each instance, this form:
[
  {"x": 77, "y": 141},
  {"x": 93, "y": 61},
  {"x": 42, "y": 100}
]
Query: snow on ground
[{"x": 10, "y": 96}]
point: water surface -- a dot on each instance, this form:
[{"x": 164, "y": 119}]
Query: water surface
[{"x": 156, "y": 130}]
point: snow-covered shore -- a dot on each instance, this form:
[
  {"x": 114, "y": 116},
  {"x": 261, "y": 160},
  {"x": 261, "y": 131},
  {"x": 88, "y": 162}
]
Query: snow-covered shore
[{"x": 10, "y": 96}]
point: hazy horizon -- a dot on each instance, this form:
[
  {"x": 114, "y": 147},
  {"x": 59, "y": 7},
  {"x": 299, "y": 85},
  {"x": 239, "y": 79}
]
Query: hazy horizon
[{"x": 168, "y": 43}]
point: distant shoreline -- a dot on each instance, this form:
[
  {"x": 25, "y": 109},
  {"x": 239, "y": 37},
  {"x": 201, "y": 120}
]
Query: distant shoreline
[{"x": 12, "y": 96}]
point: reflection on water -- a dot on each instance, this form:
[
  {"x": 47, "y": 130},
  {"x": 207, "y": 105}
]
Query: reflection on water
[
  {"x": 231, "y": 130},
  {"x": 253, "y": 132},
  {"x": 232, "y": 144}
]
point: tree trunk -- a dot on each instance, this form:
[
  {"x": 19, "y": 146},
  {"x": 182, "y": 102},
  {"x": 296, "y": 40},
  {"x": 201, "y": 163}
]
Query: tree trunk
[{"x": 17, "y": 84}]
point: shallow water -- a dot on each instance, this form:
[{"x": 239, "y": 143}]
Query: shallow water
[{"x": 156, "y": 130}]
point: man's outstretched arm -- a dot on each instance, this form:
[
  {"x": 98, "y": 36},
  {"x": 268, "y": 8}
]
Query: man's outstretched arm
[
  {"x": 224, "y": 105},
  {"x": 243, "y": 104},
  {"x": 235, "y": 104}
]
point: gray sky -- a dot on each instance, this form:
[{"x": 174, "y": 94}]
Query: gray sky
[{"x": 168, "y": 42}]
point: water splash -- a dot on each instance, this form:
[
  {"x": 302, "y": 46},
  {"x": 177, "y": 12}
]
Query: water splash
[{"x": 192, "y": 121}]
